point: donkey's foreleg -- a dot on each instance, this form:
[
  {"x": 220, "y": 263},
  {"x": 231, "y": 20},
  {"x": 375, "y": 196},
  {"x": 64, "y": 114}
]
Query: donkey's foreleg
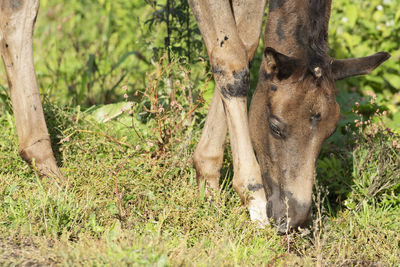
[
  {"x": 233, "y": 85},
  {"x": 230, "y": 60},
  {"x": 247, "y": 179},
  {"x": 17, "y": 19}
]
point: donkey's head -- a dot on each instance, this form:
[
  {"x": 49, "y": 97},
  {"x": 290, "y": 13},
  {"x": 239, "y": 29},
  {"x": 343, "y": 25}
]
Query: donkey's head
[{"x": 294, "y": 108}]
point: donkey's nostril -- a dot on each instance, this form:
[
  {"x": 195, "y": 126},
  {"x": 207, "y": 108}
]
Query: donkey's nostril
[{"x": 282, "y": 225}]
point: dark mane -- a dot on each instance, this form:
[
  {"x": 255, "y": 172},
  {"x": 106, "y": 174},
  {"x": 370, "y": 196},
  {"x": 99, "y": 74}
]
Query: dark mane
[
  {"x": 318, "y": 34},
  {"x": 300, "y": 28}
]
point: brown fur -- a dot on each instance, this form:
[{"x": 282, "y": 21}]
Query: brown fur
[
  {"x": 17, "y": 20},
  {"x": 294, "y": 108}
]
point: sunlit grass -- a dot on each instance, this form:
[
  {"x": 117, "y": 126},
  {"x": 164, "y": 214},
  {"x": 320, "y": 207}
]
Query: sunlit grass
[{"x": 139, "y": 204}]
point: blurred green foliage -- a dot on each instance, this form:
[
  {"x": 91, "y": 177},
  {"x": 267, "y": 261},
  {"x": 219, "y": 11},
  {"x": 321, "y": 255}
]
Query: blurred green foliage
[
  {"x": 361, "y": 28},
  {"x": 85, "y": 51}
]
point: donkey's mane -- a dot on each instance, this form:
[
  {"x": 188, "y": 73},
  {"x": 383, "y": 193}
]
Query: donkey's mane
[{"x": 317, "y": 34}]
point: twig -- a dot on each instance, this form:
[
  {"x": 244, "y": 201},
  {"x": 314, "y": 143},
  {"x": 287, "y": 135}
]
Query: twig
[{"x": 99, "y": 133}]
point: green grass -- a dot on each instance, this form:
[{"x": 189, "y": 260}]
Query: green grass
[
  {"x": 159, "y": 217},
  {"x": 132, "y": 197}
]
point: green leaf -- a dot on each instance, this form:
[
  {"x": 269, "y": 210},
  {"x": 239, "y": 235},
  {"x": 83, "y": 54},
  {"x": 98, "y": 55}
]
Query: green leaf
[
  {"x": 397, "y": 17},
  {"x": 351, "y": 14},
  {"x": 110, "y": 111},
  {"x": 209, "y": 91},
  {"x": 115, "y": 231},
  {"x": 93, "y": 224},
  {"x": 373, "y": 78},
  {"x": 162, "y": 261},
  {"x": 395, "y": 123},
  {"x": 349, "y": 40},
  {"x": 393, "y": 79}
]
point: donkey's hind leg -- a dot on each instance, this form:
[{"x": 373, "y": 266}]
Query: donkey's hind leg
[
  {"x": 209, "y": 153},
  {"x": 17, "y": 20}
]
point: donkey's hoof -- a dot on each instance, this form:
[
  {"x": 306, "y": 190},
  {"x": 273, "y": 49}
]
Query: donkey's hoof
[{"x": 258, "y": 214}]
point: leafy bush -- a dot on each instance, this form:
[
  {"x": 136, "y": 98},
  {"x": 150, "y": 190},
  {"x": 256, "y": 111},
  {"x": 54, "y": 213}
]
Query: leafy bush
[
  {"x": 376, "y": 169},
  {"x": 361, "y": 28},
  {"x": 361, "y": 163}
]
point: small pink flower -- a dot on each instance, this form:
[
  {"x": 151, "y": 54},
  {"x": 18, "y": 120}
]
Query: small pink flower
[
  {"x": 125, "y": 95},
  {"x": 395, "y": 144},
  {"x": 131, "y": 104},
  {"x": 130, "y": 112},
  {"x": 150, "y": 144},
  {"x": 357, "y": 104},
  {"x": 371, "y": 94},
  {"x": 384, "y": 113},
  {"x": 123, "y": 109},
  {"x": 125, "y": 87}
]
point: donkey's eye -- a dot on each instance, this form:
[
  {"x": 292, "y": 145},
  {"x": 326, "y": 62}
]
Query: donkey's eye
[
  {"x": 275, "y": 129},
  {"x": 315, "y": 117}
]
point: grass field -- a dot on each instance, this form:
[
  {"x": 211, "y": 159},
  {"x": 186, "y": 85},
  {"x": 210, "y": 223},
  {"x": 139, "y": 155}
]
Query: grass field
[{"x": 131, "y": 197}]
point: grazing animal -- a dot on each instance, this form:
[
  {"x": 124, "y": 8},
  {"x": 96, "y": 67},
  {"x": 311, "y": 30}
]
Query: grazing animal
[
  {"x": 293, "y": 109},
  {"x": 292, "y": 112}
]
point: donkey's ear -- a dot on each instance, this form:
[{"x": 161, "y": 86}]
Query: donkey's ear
[
  {"x": 278, "y": 64},
  {"x": 344, "y": 68}
]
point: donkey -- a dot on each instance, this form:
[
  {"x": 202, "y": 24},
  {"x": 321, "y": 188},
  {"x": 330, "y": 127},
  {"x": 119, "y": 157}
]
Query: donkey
[
  {"x": 292, "y": 112},
  {"x": 293, "y": 109}
]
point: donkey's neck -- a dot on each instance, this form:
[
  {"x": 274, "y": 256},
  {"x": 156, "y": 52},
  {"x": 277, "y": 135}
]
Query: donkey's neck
[{"x": 298, "y": 28}]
